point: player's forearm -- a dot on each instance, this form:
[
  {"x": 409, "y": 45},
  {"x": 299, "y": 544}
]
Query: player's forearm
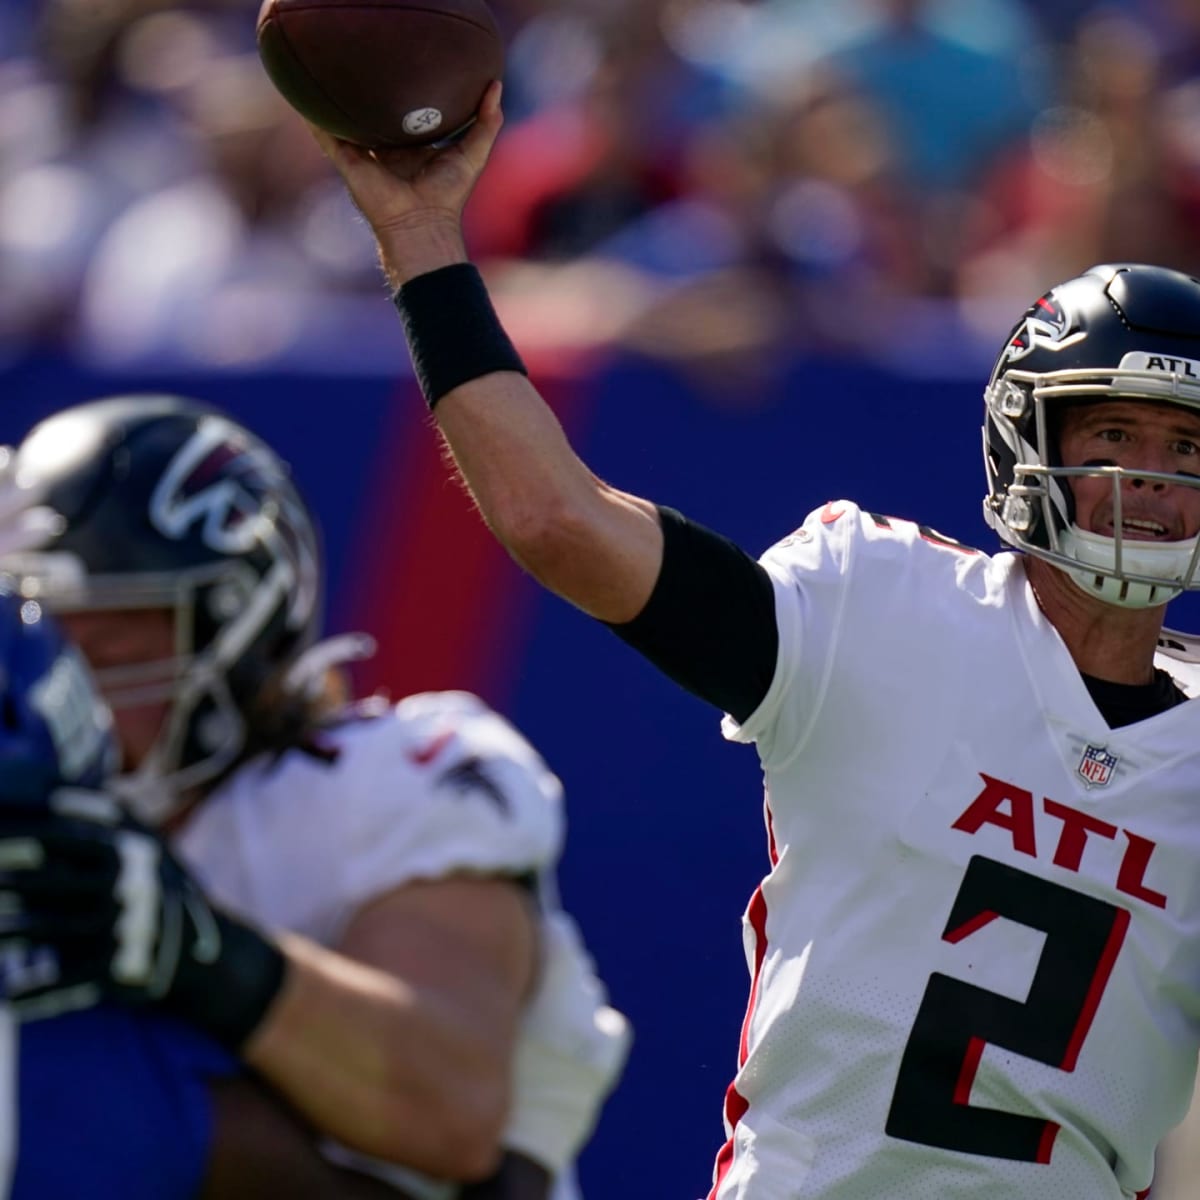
[
  {"x": 259, "y": 1148},
  {"x": 380, "y": 1067},
  {"x": 592, "y": 544}
]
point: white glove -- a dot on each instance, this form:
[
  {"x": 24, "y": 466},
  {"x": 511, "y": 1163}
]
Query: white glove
[
  {"x": 24, "y": 523},
  {"x": 570, "y": 1054}
]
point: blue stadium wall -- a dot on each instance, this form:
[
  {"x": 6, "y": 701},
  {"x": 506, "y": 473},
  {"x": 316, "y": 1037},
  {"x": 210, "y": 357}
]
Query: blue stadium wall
[{"x": 666, "y": 837}]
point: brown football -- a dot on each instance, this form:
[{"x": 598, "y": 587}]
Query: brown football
[{"x": 382, "y": 72}]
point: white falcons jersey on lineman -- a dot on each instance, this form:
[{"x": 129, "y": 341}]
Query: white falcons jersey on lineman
[
  {"x": 437, "y": 784},
  {"x": 976, "y": 957}
]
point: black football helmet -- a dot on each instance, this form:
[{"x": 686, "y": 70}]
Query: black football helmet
[
  {"x": 170, "y": 504},
  {"x": 1129, "y": 332}
]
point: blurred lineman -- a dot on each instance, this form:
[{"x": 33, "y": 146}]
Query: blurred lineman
[
  {"x": 114, "y": 1102},
  {"x": 974, "y": 958},
  {"x": 407, "y": 850}
]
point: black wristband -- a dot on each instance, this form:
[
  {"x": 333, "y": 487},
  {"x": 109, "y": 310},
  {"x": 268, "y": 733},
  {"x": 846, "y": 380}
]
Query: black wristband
[
  {"x": 453, "y": 332},
  {"x": 229, "y": 996}
]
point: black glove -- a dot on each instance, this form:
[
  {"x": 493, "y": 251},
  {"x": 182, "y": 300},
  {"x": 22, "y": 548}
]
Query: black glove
[{"x": 93, "y": 906}]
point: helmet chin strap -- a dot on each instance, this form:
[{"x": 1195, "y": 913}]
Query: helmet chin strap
[{"x": 1167, "y": 561}]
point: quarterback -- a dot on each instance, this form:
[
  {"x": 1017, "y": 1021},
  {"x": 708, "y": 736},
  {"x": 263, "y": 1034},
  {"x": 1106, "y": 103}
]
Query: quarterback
[
  {"x": 1007, "y": 741},
  {"x": 397, "y": 859}
]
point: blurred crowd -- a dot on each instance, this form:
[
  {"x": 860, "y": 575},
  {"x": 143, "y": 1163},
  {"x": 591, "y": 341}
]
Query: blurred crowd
[{"x": 712, "y": 182}]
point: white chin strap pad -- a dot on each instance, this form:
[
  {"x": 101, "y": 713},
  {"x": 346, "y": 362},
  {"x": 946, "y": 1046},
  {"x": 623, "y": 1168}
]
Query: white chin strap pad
[{"x": 1165, "y": 561}]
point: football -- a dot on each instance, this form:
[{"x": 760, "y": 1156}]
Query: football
[{"x": 383, "y": 73}]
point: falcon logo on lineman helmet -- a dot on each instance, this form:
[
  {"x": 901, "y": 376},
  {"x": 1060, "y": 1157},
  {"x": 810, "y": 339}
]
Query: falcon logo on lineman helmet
[
  {"x": 1048, "y": 324},
  {"x": 197, "y": 489},
  {"x": 237, "y": 493}
]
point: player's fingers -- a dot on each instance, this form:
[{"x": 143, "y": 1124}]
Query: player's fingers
[
  {"x": 326, "y": 141},
  {"x": 28, "y": 530},
  {"x": 489, "y": 106},
  {"x": 59, "y": 926},
  {"x": 345, "y": 156},
  {"x": 405, "y": 162},
  {"x": 478, "y": 141},
  {"x": 61, "y": 887},
  {"x": 29, "y": 848}
]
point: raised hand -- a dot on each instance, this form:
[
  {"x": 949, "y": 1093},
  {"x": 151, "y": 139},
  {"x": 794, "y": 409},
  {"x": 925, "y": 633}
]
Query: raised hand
[{"x": 413, "y": 199}]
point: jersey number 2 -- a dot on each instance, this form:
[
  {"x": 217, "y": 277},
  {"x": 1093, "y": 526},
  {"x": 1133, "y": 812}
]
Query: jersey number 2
[{"x": 931, "y": 1103}]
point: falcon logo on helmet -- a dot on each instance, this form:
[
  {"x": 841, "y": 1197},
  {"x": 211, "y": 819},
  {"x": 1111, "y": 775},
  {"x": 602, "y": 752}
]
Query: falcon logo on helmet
[
  {"x": 1047, "y": 324},
  {"x": 218, "y": 484},
  {"x": 236, "y": 493}
]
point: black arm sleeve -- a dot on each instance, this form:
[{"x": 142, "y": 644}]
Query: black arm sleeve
[{"x": 710, "y": 622}]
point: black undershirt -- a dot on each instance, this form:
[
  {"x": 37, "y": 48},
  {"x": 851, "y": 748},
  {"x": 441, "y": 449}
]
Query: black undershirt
[
  {"x": 710, "y": 626},
  {"x": 1127, "y": 703}
]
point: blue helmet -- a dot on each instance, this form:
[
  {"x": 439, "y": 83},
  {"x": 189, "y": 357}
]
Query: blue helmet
[{"x": 55, "y": 731}]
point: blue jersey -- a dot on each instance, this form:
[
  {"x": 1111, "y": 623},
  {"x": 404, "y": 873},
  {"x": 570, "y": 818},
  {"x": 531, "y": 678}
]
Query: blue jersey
[{"x": 114, "y": 1105}]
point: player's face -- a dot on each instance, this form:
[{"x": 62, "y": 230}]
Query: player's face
[
  {"x": 122, "y": 648},
  {"x": 1138, "y": 437}
]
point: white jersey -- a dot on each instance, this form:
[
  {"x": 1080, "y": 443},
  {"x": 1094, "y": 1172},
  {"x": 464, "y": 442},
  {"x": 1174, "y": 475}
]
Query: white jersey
[
  {"x": 437, "y": 784},
  {"x": 976, "y": 957}
]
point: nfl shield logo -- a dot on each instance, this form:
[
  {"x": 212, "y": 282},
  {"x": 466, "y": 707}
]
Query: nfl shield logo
[{"x": 1096, "y": 766}]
